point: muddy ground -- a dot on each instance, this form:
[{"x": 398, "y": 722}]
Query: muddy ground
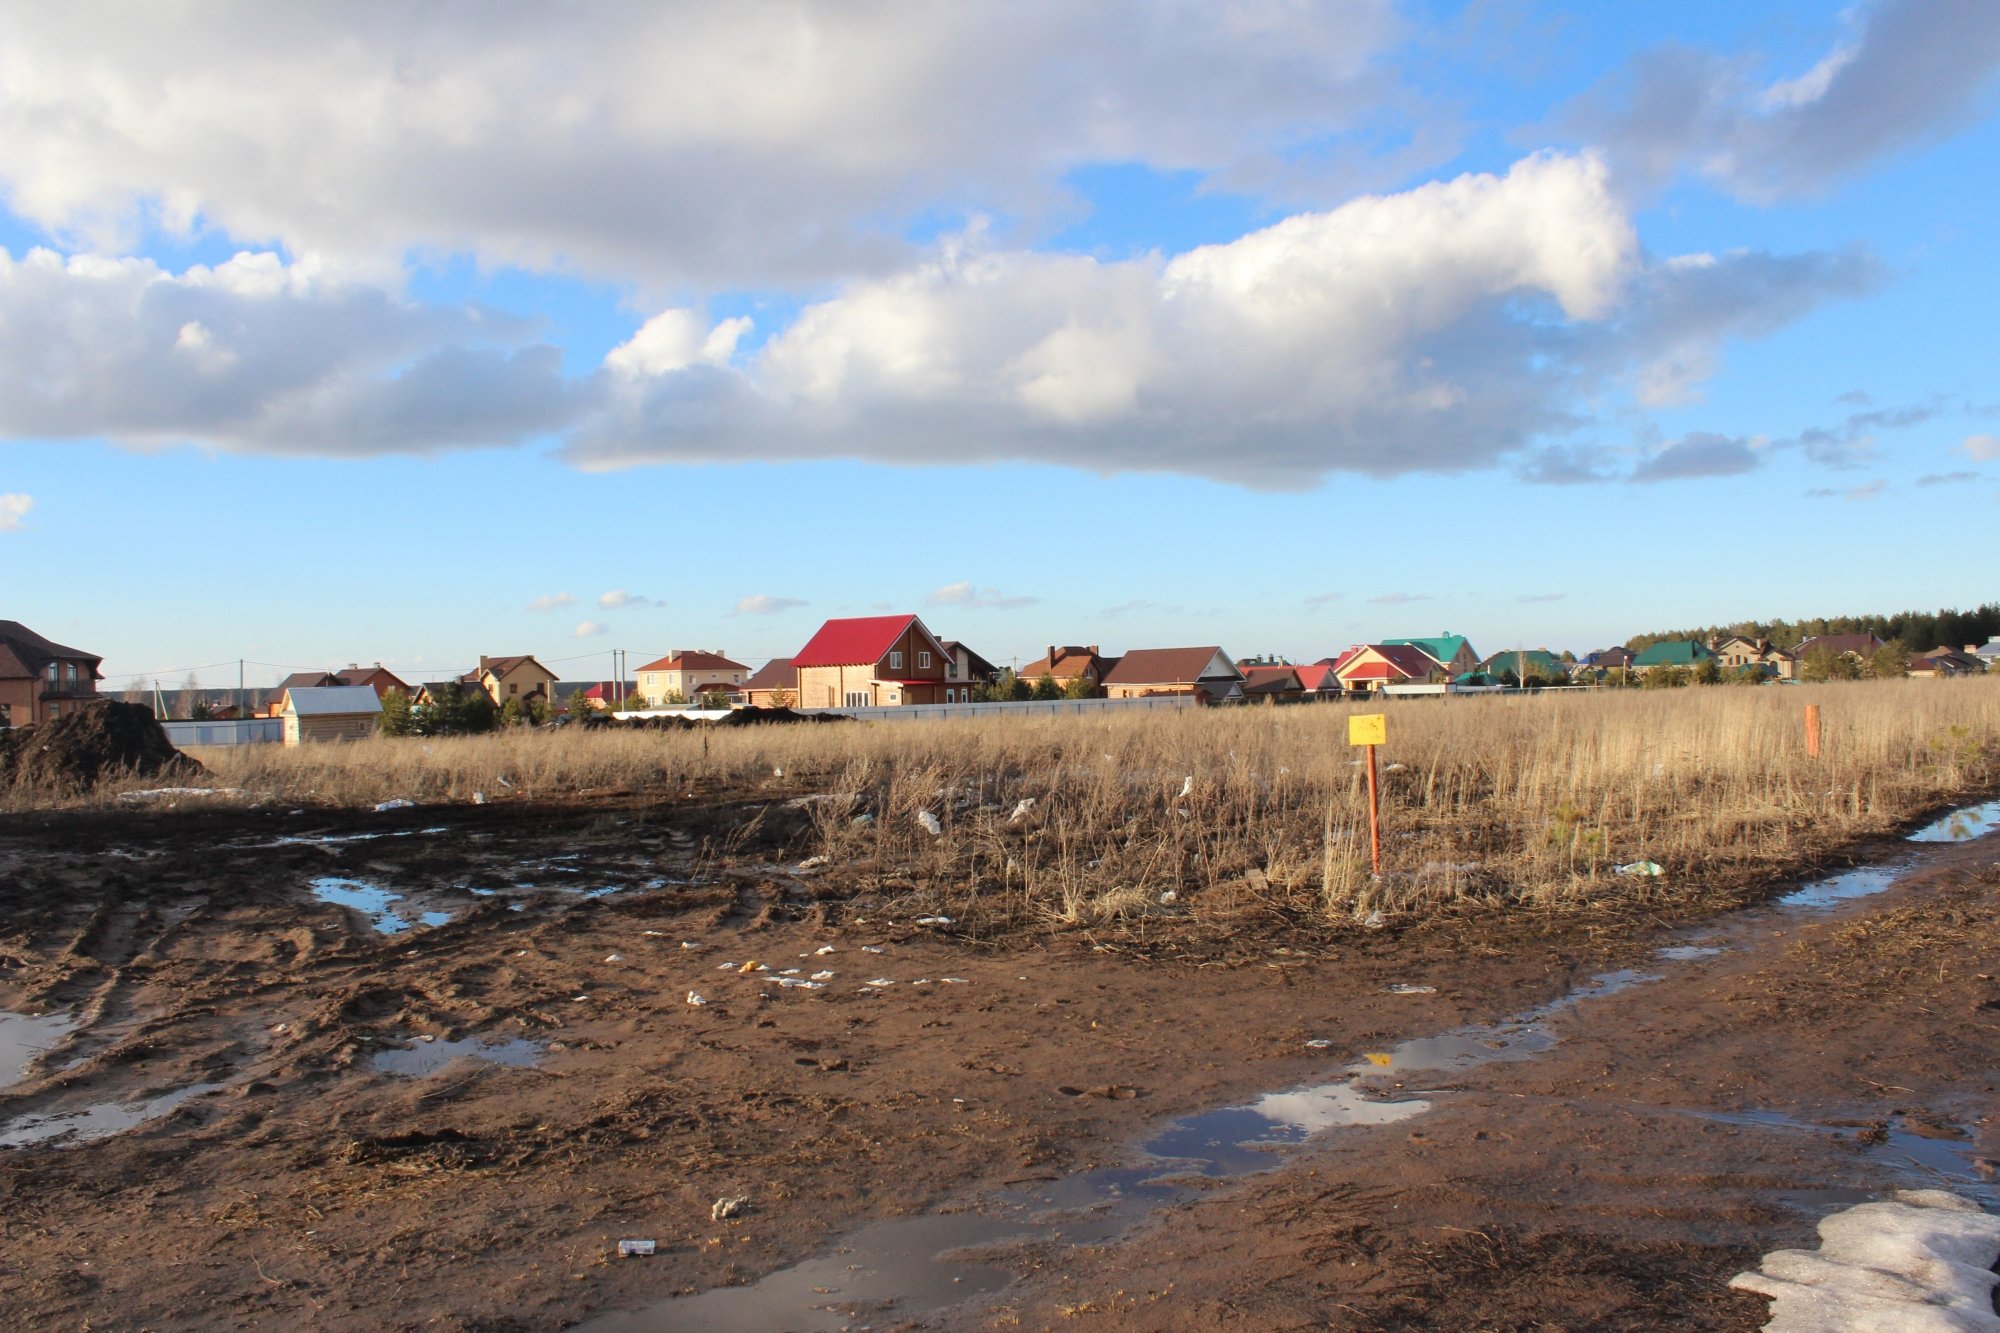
[{"x": 289, "y": 1177}]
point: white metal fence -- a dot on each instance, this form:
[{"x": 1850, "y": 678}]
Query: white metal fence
[{"x": 242, "y": 731}]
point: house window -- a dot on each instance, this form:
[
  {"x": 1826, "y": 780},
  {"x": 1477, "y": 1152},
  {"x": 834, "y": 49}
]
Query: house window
[
  {"x": 514, "y": 688},
  {"x": 923, "y": 660},
  {"x": 54, "y": 673},
  {"x": 895, "y": 661},
  {"x": 857, "y": 698}
]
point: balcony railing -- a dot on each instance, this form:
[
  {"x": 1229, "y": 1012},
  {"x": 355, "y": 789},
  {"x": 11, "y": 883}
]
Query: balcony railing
[{"x": 68, "y": 689}]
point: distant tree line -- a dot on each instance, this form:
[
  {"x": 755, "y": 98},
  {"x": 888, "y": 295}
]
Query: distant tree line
[{"x": 1916, "y": 631}]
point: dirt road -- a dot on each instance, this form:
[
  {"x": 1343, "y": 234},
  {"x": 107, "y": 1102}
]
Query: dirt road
[{"x": 427, "y": 1068}]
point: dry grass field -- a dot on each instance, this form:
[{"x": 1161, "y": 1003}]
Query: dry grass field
[{"x": 1532, "y": 800}]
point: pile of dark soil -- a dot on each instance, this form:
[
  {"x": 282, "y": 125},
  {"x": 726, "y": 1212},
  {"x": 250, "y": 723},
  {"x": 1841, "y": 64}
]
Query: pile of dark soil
[{"x": 107, "y": 739}]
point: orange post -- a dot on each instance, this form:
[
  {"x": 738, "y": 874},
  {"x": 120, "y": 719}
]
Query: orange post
[
  {"x": 1812, "y": 731},
  {"x": 1374, "y": 818}
]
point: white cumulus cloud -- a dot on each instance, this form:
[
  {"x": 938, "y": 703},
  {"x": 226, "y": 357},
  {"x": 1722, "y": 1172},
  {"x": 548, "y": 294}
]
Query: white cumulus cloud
[
  {"x": 764, "y": 604},
  {"x": 258, "y": 354},
  {"x": 14, "y": 508},
  {"x": 1985, "y": 448},
  {"x": 618, "y": 597},
  {"x": 589, "y": 629},
  {"x": 554, "y": 601},
  {"x": 707, "y": 141},
  {"x": 972, "y": 598}
]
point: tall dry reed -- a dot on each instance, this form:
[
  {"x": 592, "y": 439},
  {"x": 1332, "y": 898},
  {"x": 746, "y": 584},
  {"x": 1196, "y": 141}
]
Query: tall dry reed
[{"x": 1528, "y": 799}]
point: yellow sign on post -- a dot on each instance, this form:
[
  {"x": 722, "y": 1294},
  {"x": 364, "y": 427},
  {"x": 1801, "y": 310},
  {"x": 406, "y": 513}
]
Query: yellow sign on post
[{"x": 1368, "y": 729}]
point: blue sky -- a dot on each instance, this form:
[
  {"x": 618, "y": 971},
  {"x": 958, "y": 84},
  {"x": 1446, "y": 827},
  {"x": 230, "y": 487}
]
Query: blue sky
[{"x": 379, "y": 333}]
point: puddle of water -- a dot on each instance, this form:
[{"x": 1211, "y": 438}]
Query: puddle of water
[
  {"x": 426, "y": 1058},
  {"x": 25, "y": 1036},
  {"x": 1859, "y": 882},
  {"x": 372, "y": 901},
  {"x": 920, "y": 1264},
  {"x": 1975, "y": 821},
  {"x": 1926, "y": 1160},
  {"x": 93, "y": 1122}
]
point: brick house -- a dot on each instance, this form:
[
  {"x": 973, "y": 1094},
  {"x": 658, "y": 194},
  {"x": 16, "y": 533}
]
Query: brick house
[
  {"x": 1206, "y": 672},
  {"x": 1855, "y": 647},
  {"x": 1737, "y": 652},
  {"x": 686, "y": 672},
  {"x": 41, "y": 680},
  {"x": 1067, "y": 664},
  {"x": 503, "y": 678},
  {"x": 873, "y": 661},
  {"x": 773, "y": 685}
]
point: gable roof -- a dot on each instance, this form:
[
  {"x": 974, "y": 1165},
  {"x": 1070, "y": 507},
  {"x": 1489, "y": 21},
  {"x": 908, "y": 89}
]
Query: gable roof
[
  {"x": 1063, "y": 663},
  {"x": 1270, "y": 679},
  {"x": 859, "y": 641},
  {"x": 694, "y": 660},
  {"x": 1538, "y": 659},
  {"x": 500, "y": 666},
  {"x": 28, "y": 652},
  {"x": 1318, "y": 676},
  {"x": 1841, "y": 643},
  {"x": 1673, "y": 652},
  {"x": 300, "y": 680},
  {"x": 776, "y": 674},
  {"x": 332, "y": 700},
  {"x": 1168, "y": 666},
  {"x": 1443, "y": 647},
  {"x": 377, "y": 677},
  {"x": 1398, "y": 659},
  {"x": 975, "y": 665}
]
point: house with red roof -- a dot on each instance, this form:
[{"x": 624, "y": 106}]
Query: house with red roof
[
  {"x": 686, "y": 672},
  {"x": 874, "y": 661},
  {"x": 1207, "y": 673},
  {"x": 1370, "y": 666},
  {"x": 1318, "y": 681}
]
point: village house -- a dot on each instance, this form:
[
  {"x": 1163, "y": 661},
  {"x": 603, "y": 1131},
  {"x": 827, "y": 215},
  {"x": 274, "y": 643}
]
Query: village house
[
  {"x": 1939, "y": 663},
  {"x": 377, "y": 677},
  {"x": 773, "y": 685},
  {"x": 1857, "y": 648},
  {"x": 1520, "y": 666},
  {"x": 40, "y": 680},
  {"x": 1451, "y": 651},
  {"x": 316, "y": 713},
  {"x": 583, "y": 696},
  {"x": 1989, "y": 653},
  {"x": 1066, "y": 665},
  {"x": 1318, "y": 681},
  {"x": 966, "y": 673},
  {"x": 1671, "y": 653},
  {"x": 1207, "y": 673},
  {"x": 522, "y": 679},
  {"x": 873, "y": 661},
  {"x": 1737, "y": 652},
  {"x": 1616, "y": 660},
  {"x": 1272, "y": 683},
  {"x": 686, "y": 672},
  {"x": 1370, "y": 666}
]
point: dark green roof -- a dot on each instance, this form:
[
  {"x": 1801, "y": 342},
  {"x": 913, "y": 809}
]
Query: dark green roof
[
  {"x": 1443, "y": 647},
  {"x": 1672, "y": 652}
]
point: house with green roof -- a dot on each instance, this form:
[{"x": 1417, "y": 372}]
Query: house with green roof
[
  {"x": 1535, "y": 663},
  {"x": 1450, "y": 650},
  {"x": 1672, "y": 652}
]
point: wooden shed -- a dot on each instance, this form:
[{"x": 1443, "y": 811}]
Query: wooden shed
[{"x": 330, "y": 713}]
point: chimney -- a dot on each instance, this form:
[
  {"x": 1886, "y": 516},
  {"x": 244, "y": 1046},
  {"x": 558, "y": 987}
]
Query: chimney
[
  {"x": 484, "y": 661},
  {"x": 1051, "y": 659},
  {"x": 1094, "y": 652}
]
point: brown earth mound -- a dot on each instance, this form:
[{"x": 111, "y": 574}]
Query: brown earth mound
[{"x": 107, "y": 739}]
